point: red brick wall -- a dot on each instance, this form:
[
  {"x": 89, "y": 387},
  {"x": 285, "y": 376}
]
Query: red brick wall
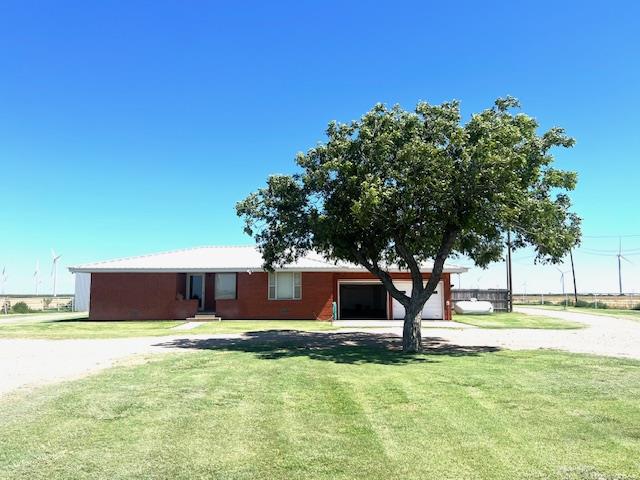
[
  {"x": 142, "y": 296},
  {"x": 252, "y": 299},
  {"x": 446, "y": 280},
  {"x": 138, "y": 296}
]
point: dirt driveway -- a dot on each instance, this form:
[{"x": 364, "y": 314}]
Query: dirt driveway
[{"x": 25, "y": 363}]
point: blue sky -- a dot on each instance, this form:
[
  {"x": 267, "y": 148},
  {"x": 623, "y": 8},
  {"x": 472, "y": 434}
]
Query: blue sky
[{"x": 134, "y": 127}]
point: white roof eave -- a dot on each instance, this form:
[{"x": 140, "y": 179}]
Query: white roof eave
[
  {"x": 80, "y": 269},
  {"x": 224, "y": 259}
]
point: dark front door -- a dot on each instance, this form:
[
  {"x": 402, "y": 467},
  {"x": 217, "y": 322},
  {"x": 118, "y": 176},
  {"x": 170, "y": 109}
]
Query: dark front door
[
  {"x": 195, "y": 288},
  {"x": 364, "y": 301}
]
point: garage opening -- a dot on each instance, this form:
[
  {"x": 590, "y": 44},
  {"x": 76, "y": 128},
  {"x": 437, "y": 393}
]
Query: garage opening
[{"x": 363, "y": 301}]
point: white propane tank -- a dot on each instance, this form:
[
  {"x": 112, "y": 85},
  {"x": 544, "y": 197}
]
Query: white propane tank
[{"x": 473, "y": 306}]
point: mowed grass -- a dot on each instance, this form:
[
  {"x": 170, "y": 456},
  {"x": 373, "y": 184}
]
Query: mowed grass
[
  {"x": 516, "y": 320},
  {"x": 65, "y": 329},
  {"x": 273, "y": 410},
  {"x": 608, "y": 312},
  {"x": 82, "y": 328}
]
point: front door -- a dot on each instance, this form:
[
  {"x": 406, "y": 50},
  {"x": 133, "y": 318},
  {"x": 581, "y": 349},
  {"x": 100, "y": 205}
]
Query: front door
[{"x": 195, "y": 288}]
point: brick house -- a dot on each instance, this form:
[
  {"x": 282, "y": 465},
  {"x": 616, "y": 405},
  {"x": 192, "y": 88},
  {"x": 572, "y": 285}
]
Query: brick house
[{"x": 231, "y": 282}]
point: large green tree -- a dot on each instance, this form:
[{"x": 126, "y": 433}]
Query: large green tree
[{"x": 403, "y": 188}]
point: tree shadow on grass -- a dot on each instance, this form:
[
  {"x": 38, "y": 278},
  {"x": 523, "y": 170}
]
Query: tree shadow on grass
[{"x": 349, "y": 348}]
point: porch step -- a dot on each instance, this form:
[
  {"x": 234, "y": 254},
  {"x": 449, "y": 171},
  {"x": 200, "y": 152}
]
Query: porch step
[{"x": 205, "y": 317}]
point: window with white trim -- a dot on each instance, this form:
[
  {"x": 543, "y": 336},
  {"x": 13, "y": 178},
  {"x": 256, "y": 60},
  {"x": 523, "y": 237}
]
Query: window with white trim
[
  {"x": 225, "y": 286},
  {"x": 285, "y": 286}
]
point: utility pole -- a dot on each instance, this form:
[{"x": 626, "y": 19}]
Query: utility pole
[
  {"x": 509, "y": 274},
  {"x": 619, "y": 264},
  {"x": 573, "y": 273}
]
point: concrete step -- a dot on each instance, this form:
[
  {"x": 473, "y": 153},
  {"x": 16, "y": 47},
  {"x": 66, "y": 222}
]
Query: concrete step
[{"x": 204, "y": 317}]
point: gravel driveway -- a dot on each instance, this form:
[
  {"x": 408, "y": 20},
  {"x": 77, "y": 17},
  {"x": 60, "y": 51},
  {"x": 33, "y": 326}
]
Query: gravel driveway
[
  {"x": 26, "y": 363},
  {"x": 608, "y": 336}
]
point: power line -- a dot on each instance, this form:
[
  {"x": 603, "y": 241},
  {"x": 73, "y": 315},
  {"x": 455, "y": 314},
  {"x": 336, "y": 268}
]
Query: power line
[
  {"x": 598, "y": 250},
  {"x": 611, "y": 236}
]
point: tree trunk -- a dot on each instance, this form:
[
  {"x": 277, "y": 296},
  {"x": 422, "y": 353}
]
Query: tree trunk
[{"x": 411, "y": 334}]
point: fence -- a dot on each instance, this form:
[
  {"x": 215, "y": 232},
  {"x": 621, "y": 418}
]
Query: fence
[
  {"x": 624, "y": 302},
  {"x": 499, "y": 298}
]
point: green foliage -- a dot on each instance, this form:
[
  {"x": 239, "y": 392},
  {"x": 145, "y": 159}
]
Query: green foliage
[
  {"x": 20, "y": 307},
  {"x": 636, "y": 307},
  {"x": 585, "y": 304},
  {"x": 581, "y": 303},
  {"x": 400, "y": 187}
]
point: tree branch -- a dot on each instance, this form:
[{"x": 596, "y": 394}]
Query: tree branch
[
  {"x": 414, "y": 268},
  {"x": 384, "y": 277},
  {"x": 438, "y": 264}
]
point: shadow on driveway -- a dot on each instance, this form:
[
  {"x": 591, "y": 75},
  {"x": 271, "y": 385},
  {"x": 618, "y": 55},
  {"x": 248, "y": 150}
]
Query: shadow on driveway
[{"x": 350, "y": 348}]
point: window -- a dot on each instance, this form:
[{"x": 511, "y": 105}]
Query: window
[
  {"x": 285, "y": 286},
  {"x": 225, "y": 286}
]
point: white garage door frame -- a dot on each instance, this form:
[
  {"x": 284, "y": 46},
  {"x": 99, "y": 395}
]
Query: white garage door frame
[
  {"x": 403, "y": 283},
  {"x": 363, "y": 282}
]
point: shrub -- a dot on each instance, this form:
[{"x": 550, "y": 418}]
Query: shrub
[
  {"x": 20, "y": 307},
  {"x": 585, "y": 304},
  {"x": 636, "y": 307}
]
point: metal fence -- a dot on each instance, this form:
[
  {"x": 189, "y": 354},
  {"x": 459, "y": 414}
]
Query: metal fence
[{"x": 499, "y": 298}]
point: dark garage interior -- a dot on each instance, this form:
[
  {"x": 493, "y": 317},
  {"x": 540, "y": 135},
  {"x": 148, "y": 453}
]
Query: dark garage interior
[{"x": 363, "y": 301}]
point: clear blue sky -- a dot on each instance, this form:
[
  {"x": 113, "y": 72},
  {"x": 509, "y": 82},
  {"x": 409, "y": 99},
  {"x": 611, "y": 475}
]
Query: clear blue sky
[{"x": 134, "y": 127}]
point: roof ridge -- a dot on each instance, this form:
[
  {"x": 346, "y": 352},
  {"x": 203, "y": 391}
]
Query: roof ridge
[{"x": 166, "y": 252}]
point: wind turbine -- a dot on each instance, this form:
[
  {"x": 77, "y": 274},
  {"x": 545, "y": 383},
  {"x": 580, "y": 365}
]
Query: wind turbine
[
  {"x": 3, "y": 278},
  {"x": 621, "y": 257},
  {"x": 562, "y": 281},
  {"x": 54, "y": 264},
  {"x": 36, "y": 276}
]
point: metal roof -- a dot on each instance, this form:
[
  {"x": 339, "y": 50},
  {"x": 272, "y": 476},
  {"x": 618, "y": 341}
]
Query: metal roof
[{"x": 225, "y": 259}]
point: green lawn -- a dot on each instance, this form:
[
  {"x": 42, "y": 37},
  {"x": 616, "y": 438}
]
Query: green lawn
[
  {"x": 82, "y": 328},
  {"x": 515, "y": 320},
  {"x": 85, "y": 329},
  {"x": 610, "y": 312},
  {"x": 279, "y": 410}
]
